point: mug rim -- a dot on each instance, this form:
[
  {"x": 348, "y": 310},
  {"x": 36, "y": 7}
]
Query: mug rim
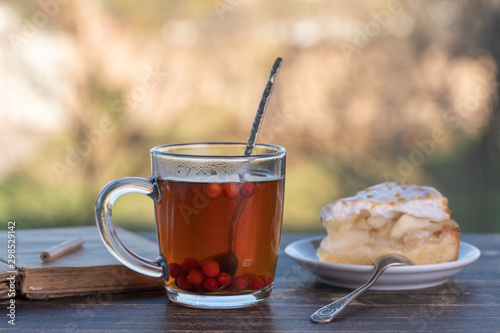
[{"x": 280, "y": 151}]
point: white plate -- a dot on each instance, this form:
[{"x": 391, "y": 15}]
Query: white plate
[{"x": 394, "y": 278}]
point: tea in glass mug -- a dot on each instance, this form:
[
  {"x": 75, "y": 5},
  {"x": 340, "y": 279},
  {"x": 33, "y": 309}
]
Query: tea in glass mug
[{"x": 218, "y": 221}]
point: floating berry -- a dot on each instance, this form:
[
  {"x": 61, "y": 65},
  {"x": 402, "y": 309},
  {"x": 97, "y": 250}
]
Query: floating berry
[
  {"x": 183, "y": 283},
  {"x": 210, "y": 268},
  {"x": 174, "y": 270},
  {"x": 195, "y": 277},
  {"x": 223, "y": 279},
  {"x": 267, "y": 279},
  {"x": 256, "y": 283},
  {"x": 247, "y": 189},
  {"x": 231, "y": 190},
  {"x": 210, "y": 283},
  {"x": 214, "y": 191},
  {"x": 239, "y": 283},
  {"x": 189, "y": 264}
]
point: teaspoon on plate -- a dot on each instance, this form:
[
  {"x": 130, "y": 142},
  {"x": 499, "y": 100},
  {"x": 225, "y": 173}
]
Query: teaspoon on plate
[{"x": 330, "y": 311}]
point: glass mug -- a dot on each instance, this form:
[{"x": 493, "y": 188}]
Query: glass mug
[{"x": 218, "y": 221}]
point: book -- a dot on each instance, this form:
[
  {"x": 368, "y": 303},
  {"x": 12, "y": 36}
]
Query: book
[
  {"x": 89, "y": 270},
  {"x": 7, "y": 275}
]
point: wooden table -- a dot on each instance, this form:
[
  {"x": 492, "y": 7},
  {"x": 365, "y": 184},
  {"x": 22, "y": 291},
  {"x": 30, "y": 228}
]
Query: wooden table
[{"x": 469, "y": 302}]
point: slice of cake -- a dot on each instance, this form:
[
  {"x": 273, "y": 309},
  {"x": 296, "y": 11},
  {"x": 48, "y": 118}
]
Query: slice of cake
[{"x": 390, "y": 218}]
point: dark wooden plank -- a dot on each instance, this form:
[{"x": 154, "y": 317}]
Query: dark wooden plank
[{"x": 470, "y": 301}]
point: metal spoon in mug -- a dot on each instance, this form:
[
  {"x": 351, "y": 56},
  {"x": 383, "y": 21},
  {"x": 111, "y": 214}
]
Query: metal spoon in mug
[
  {"x": 228, "y": 261},
  {"x": 330, "y": 311}
]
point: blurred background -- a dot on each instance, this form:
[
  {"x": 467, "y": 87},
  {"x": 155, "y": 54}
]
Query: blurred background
[{"x": 369, "y": 91}]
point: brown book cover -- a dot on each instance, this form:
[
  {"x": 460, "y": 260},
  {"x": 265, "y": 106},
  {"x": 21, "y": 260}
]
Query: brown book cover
[
  {"x": 89, "y": 270},
  {"x": 8, "y": 278}
]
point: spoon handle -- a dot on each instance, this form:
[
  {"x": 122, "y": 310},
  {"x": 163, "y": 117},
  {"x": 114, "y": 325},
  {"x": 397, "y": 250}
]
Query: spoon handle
[
  {"x": 330, "y": 311},
  {"x": 252, "y": 138}
]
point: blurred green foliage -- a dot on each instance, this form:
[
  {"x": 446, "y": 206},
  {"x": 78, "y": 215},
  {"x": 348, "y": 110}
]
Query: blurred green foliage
[{"x": 140, "y": 74}]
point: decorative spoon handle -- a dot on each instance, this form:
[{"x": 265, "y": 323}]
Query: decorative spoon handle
[
  {"x": 252, "y": 138},
  {"x": 330, "y": 311}
]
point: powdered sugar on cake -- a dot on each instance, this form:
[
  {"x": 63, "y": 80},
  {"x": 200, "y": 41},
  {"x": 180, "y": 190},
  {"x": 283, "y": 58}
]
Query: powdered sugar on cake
[{"x": 390, "y": 200}]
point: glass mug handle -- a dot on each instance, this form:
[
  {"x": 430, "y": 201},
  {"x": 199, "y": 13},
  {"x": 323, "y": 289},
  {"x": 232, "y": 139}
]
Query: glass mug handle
[{"x": 103, "y": 208}]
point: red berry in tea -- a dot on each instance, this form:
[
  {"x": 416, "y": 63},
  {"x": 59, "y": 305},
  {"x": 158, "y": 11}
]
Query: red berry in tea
[
  {"x": 223, "y": 279},
  {"x": 189, "y": 264},
  {"x": 195, "y": 277},
  {"x": 183, "y": 283},
  {"x": 210, "y": 283},
  {"x": 174, "y": 270},
  {"x": 210, "y": 268},
  {"x": 214, "y": 191},
  {"x": 247, "y": 189},
  {"x": 239, "y": 283},
  {"x": 267, "y": 279},
  {"x": 231, "y": 190},
  {"x": 256, "y": 283}
]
